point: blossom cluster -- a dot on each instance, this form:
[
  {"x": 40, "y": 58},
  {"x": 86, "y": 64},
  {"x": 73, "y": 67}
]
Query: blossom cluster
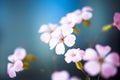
[
  {"x": 16, "y": 64},
  {"x": 99, "y": 61}
]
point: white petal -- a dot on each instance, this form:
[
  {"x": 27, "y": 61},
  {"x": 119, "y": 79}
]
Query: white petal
[
  {"x": 53, "y": 42},
  {"x": 18, "y": 66},
  {"x": 60, "y": 49},
  {"x": 57, "y": 32},
  {"x": 52, "y": 26},
  {"x": 19, "y": 53},
  {"x": 70, "y": 40},
  {"x": 9, "y": 66},
  {"x": 90, "y": 54},
  {"x": 113, "y": 58},
  {"x": 45, "y": 37},
  {"x": 92, "y": 67},
  {"x": 66, "y": 30},
  {"x": 87, "y": 8},
  {"x": 11, "y": 58},
  {"x": 86, "y": 15},
  {"x": 43, "y": 28},
  {"x": 103, "y": 50},
  {"x": 108, "y": 70},
  {"x": 12, "y": 73},
  {"x": 68, "y": 59}
]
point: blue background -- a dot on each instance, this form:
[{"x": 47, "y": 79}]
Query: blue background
[{"x": 20, "y": 21}]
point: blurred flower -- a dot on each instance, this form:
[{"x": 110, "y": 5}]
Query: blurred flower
[
  {"x": 101, "y": 61},
  {"x": 71, "y": 19},
  {"x": 59, "y": 39},
  {"x": 86, "y": 13},
  {"x": 46, "y": 31},
  {"x": 74, "y": 78},
  {"x": 60, "y": 75},
  {"x": 116, "y": 21},
  {"x": 16, "y": 64},
  {"x": 74, "y": 55}
]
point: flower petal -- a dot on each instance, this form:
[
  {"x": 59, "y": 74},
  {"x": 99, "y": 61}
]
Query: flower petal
[
  {"x": 53, "y": 42},
  {"x": 43, "y": 28},
  {"x": 113, "y": 58},
  {"x": 70, "y": 40},
  {"x": 103, "y": 50},
  {"x": 11, "y": 58},
  {"x": 18, "y": 66},
  {"x": 108, "y": 70},
  {"x": 90, "y": 54},
  {"x": 92, "y": 67},
  {"x": 45, "y": 37},
  {"x": 12, "y": 73},
  {"x": 60, "y": 49},
  {"x": 74, "y": 78},
  {"x": 9, "y": 66},
  {"x": 66, "y": 30},
  {"x": 86, "y": 15},
  {"x": 19, "y": 53},
  {"x": 87, "y": 8},
  {"x": 68, "y": 59}
]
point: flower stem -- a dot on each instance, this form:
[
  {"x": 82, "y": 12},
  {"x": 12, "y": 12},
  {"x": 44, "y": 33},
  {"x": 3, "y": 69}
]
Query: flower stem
[{"x": 87, "y": 76}]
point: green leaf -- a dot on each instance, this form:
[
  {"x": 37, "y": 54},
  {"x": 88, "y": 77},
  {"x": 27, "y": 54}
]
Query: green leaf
[
  {"x": 86, "y": 23},
  {"x": 76, "y": 30},
  {"x": 107, "y": 28},
  {"x": 79, "y": 65}
]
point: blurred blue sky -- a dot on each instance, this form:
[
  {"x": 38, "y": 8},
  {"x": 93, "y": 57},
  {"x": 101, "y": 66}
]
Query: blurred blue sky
[{"x": 21, "y": 19}]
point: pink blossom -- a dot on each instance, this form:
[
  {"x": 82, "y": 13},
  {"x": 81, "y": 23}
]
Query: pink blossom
[
  {"x": 71, "y": 19},
  {"x": 74, "y": 55},
  {"x": 116, "y": 19},
  {"x": 59, "y": 38},
  {"x": 86, "y": 13},
  {"x": 101, "y": 62},
  {"x": 16, "y": 64},
  {"x": 46, "y": 31},
  {"x": 60, "y": 75},
  {"x": 74, "y": 78},
  {"x": 76, "y": 17}
]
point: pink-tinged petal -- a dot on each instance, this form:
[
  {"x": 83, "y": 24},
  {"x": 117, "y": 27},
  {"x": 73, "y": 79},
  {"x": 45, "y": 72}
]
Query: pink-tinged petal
[
  {"x": 19, "y": 53},
  {"x": 45, "y": 37},
  {"x": 70, "y": 40},
  {"x": 86, "y": 15},
  {"x": 116, "y": 17},
  {"x": 60, "y": 75},
  {"x": 92, "y": 67},
  {"x": 103, "y": 50},
  {"x": 18, "y": 66},
  {"x": 52, "y": 26},
  {"x": 53, "y": 42},
  {"x": 57, "y": 33},
  {"x": 87, "y": 8},
  {"x": 43, "y": 28},
  {"x": 90, "y": 54},
  {"x": 9, "y": 66},
  {"x": 113, "y": 58},
  {"x": 12, "y": 73},
  {"x": 108, "y": 70},
  {"x": 66, "y": 30},
  {"x": 60, "y": 49},
  {"x": 118, "y": 27},
  {"x": 11, "y": 58},
  {"x": 75, "y": 78},
  {"x": 68, "y": 59}
]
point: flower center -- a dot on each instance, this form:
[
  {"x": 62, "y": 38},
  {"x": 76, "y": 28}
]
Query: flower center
[
  {"x": 73, "y": 55},
  {"x": 62, "y": 39},
  {"x": 101, "y": 60}
]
